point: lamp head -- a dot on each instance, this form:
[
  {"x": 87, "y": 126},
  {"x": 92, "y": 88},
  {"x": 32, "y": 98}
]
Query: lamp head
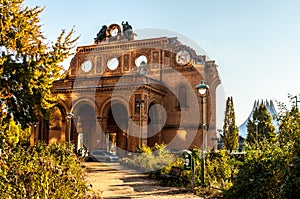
[
  {"x": 70, "y": 115},
  {"x": 202, "y": 88}
]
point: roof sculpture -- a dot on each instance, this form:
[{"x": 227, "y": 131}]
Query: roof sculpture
[{"x": 114, "y": 31}]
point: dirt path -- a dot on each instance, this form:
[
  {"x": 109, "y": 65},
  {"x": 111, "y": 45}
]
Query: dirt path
[{"x": 112, "y": 180}]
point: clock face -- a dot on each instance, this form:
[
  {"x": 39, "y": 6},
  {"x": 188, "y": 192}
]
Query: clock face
[
  {"x": 183, "y": 57},
  {"x": 86, "y": 66},
  {"x": 113, "y": 63},
  {"x": 114, "y": 32}
]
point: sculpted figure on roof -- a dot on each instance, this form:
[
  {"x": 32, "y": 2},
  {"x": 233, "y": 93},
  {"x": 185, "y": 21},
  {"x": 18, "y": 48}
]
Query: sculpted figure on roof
[
  {"x": 127, "y": 30},
  {"x": 101, "y": 35}
]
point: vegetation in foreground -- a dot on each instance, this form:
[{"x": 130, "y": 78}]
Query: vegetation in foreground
[
  {"x": 269, "y": 168},
  {"x": 150, "y": 159},
  {"x": 41, "y": 171},
  {"x": 28, "y": 66}
]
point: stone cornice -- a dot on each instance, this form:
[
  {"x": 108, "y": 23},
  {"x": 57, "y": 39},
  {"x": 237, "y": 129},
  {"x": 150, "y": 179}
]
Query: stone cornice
[
  {"x": 124, "y": 45},
  {"x": 130, "y": 83}
]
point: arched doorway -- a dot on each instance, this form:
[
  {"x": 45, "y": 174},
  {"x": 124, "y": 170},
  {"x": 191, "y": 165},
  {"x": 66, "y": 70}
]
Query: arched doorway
[
  {"x": 117, "y": 125},
  {"x": 156, "y": 120},
  {"x": 57, "y": 126},
  {"x": 85, "y": 132}
]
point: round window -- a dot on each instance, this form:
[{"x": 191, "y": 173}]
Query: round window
[
  {"x": 141, "y": 60},
  {"x": 86, "y": 66},
  {"x": 113, "y": 63}
]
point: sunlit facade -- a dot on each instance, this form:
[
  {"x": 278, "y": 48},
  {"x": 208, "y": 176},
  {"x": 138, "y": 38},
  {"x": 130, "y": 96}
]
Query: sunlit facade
[{"x": 122, "y": 93}]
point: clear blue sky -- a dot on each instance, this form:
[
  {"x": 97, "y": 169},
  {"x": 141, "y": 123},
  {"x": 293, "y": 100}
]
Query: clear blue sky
[{"x": 256, "y": 43}]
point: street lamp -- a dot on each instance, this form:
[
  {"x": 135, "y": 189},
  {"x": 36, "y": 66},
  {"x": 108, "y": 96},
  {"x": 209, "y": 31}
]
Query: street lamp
[
  {"x": 256, "y": 124},
  {"x": 140, "y": 104},
  {"x": 202, "y": 88},
  {"x": 69, "y": 119}
]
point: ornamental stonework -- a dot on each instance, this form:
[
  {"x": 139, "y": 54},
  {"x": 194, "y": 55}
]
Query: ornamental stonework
[{"x": 124, "y": 93}]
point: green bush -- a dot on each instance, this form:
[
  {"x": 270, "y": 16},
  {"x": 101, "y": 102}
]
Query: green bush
[
  {"x": 263, "y": 173},
  {"x": 185, "y": 180},
  {"x": 268, "y": 171},
  {"x": 219, "y": 171},
  {"x": 11, "y": 135},
  {"x": 272, "y": 169},
  {"x": 42, "y": 171},
  {"x": 150, "y": 159}
]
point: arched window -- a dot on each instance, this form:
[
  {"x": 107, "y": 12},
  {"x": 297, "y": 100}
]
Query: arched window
[
  {"x": 56, "y": 119},
  {"x": 182, "y": 97}
]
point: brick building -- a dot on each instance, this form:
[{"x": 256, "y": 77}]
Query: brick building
[{"x": 120, "y": 93}]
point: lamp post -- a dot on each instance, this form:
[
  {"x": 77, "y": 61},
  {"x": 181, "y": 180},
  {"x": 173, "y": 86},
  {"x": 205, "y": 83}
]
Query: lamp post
[
  {"x": 34, "y": 132},
  {"x": 202, "y": 88},
  {"x": 256, "y": 124},
  {"x": 140, "y": 104},
  {"x": 69, "y": 119}
]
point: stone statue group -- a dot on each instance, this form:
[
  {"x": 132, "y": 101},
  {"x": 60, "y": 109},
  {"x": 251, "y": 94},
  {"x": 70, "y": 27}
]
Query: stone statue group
[{"x": 106, "y": 31}]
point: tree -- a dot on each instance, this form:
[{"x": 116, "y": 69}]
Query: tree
[
  {"x": 28, "y": 66},
  {"x": 12, "y": 135},
  {"x": 261, "y": 173},
  {"x": 230, "y": 129},
  {"x": 264, "y": 128},
  {"x": 290, "y": 127},
  {"x": 289, "y": 139},
  {"x": 272, "y": 170}
]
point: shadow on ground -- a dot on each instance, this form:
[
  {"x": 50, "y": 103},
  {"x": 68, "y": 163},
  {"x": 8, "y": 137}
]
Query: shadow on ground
[{"x": 116, "y": 181}]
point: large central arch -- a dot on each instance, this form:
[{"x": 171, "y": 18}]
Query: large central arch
[
  {"x": 85, "y": 122},
  {"x": 117, "y": 126},
  {"x": 153, "y": 125}
]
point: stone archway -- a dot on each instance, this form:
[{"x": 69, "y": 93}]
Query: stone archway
[
  {"x": 57, "y": 126},
  {"x": 117, "y": 126},
  {"x": 85, "y": 122},
  {"x": 155, "y": 123}
]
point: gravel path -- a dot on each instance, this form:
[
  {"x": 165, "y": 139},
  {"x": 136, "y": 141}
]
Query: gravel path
[{"x": 111, "y": 180}]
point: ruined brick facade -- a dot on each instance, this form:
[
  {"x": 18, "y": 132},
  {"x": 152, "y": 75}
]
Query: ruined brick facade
[{"x": 124, "y": 92}]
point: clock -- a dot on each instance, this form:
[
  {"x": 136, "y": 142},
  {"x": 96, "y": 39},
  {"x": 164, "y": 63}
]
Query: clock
[
  {"x": 86, "y": 66},
  {"x": 114, "y": 32},
  {"x": 113, "y": 63},
  {"x": 183, "y": 57}
]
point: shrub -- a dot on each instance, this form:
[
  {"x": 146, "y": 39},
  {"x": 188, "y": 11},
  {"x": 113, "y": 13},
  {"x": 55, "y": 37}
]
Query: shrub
[
  {"x": 220, "y": 168},
  {"x": 42, "y": 171},
  {"x": 272, "y": 169},
  {"x": 185, "y": 180},
  {"x": 219, "y": 171},
  {"x": 11, "y": 135},
  {"x": 151, "y": 159},
  {"x": 261, "y": 174}
]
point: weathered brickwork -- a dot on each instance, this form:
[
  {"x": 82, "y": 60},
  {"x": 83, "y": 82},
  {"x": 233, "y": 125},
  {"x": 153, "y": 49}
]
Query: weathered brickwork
[{"x": 107, "y": 84}]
